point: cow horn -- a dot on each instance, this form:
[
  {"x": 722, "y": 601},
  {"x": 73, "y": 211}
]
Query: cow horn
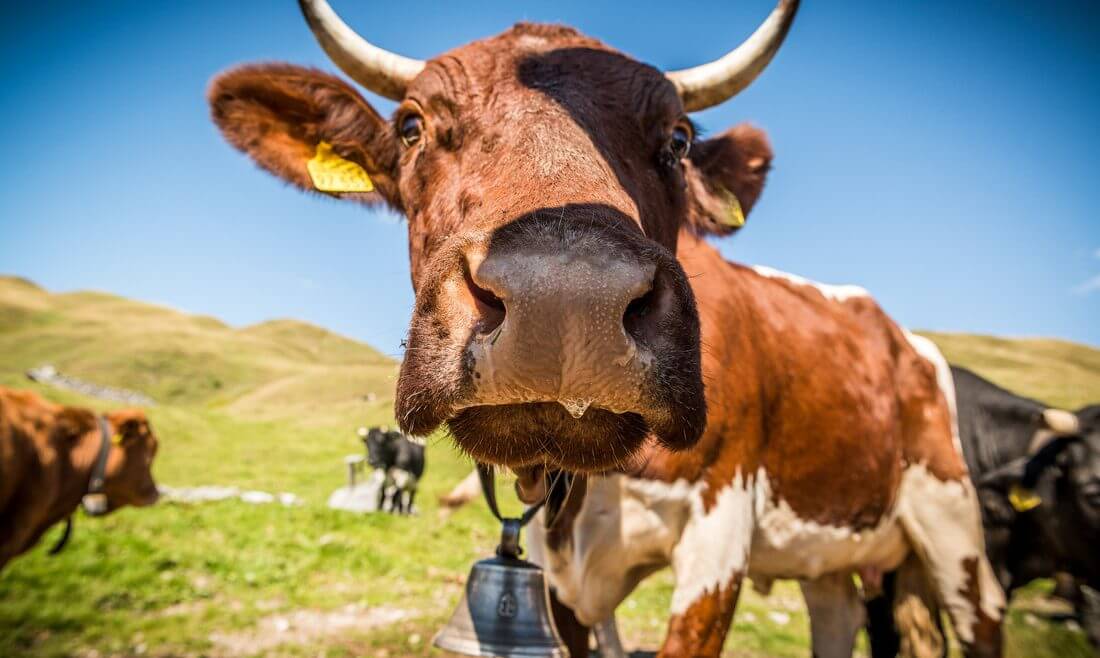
[
  {"x": 1063, "y": 422},
  {"x": 385, "y": 73},
  {"x": 715, "y": 82}
]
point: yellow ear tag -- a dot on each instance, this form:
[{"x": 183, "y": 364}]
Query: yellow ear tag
[
  {"x": 331, "y": 173},
  {"x": 1023, "y": 500},
  {"x": 734, "y": 217},
  {"x": 116, "y": 439}
]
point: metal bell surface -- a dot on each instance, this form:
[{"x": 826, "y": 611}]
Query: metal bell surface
[
  {"x": 505, "y": 612},
  {"x": 95, "y": 504}
]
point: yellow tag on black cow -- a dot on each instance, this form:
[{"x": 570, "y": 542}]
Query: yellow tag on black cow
[
  {"x": 734, "y": 216},
  {"x": 1023, "y": 500},
  {"x": 331, "y": 173}
]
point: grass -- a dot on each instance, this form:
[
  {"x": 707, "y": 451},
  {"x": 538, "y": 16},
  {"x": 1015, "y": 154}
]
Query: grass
[{"x": 274, "y": 407}]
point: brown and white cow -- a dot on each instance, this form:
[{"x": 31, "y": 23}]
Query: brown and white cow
[
  {"x": 557, "y": 202},
  {"x": 49, "y": 455},
  {"x": 836, "y": 454}
]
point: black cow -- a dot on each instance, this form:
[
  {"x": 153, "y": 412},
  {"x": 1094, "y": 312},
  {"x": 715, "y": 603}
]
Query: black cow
[
  {"x": 402, "y": 461},
  {"x": 1037, "y": 472}
]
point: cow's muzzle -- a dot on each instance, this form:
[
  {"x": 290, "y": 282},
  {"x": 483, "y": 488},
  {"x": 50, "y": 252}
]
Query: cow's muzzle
[{"x": 570, "y": 338}]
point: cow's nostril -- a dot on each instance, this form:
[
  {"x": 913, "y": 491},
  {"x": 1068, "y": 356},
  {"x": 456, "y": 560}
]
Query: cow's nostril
[
  {"x": 490, "y": 308},
  {"x": 637, "y": 314}
]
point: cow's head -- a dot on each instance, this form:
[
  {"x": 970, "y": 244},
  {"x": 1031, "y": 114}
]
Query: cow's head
[
  {"x": 382, "y": 447},
  {"x": 1080, "y": 487},
  {"x": 1062, "y": 476},
  {"x": 129, "y": 475},
  {"x": 545, "y": 178}
]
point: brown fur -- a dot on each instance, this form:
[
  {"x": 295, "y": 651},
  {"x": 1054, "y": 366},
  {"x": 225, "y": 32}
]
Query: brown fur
[
  {"x": 768, "y": 406},
  {"x": 47, "y": 453}
]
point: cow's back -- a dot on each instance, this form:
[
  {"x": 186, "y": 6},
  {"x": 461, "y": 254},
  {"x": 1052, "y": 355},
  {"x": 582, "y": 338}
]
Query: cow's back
[{"x": 996, "y": 426}]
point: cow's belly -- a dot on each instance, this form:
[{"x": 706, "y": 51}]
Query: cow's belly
[{"x": 786, "y": 546}]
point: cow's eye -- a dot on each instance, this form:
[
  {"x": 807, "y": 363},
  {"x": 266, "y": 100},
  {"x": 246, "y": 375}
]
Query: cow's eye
[
  {"x": 679, "y": 142},
  {"x": 412, "y": 127}
]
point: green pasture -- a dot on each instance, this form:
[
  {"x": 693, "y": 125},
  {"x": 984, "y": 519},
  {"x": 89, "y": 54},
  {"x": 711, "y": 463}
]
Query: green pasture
[{"x": 274, "y": 407}]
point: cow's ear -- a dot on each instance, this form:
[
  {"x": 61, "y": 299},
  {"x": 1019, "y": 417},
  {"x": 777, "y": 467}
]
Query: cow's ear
[
  {"x": 130, "y": 425},
  {"x": 308, "y": 128},
  {"x": 725, "y": 176}
]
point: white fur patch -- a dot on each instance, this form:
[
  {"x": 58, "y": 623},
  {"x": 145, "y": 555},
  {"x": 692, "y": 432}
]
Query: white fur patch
[
  {"x": 623, "y": 524},
  {"x": 943, "y": 520},
  {"x": 787, "y": 546},
  {"x": 835, "y": 293},
  {"x": 930, "y": 352},
  {"x": 715, "y": 544}
]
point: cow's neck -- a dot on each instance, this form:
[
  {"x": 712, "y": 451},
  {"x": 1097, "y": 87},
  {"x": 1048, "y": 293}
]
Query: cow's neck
[{"x": 73, "y": 471}]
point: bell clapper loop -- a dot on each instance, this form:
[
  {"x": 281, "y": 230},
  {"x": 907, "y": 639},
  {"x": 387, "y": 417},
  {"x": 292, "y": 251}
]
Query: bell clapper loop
[{"x": 509, "y": 539}]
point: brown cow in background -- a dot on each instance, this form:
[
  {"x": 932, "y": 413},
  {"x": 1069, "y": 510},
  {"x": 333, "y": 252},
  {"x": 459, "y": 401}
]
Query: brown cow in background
[
  {"x": 557, "y": 201},
  {"x": 47, "y": 457}
]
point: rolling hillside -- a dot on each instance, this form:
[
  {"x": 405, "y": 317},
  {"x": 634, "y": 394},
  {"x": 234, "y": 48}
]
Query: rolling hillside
[
  {"x": 274, "y": 407},
  {"x": 274, "y": 369}
]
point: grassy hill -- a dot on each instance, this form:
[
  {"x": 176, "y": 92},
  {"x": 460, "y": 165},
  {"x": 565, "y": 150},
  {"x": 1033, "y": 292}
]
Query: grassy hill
[{"x": 274, "y": 407}]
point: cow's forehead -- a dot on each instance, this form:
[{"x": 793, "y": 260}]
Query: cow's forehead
[{"x": 554, "y": 63}]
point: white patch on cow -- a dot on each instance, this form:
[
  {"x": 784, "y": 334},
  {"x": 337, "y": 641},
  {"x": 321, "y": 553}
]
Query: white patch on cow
[
  {"x": 785, "y": 545},
  {"x": 531, "y": 41},
  {"x": 624, "y": 524},
  {"x": 943, "y": 521},
  {"x": 932, "y": 354},
  {"x": 835, "y": 293},
  {"x": 714, "y": 546}
]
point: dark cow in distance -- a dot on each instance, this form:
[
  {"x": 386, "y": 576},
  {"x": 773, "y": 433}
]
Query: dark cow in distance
[
  {"x": 558, "y": 202},
  {"x": 48, "y": 454},
  {"x": 402, "y": 462},
  {"x": 1037, "y": 471}
]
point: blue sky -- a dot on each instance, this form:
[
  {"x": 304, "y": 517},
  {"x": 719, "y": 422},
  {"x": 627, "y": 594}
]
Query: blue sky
[{"x": 945, "y": 155}]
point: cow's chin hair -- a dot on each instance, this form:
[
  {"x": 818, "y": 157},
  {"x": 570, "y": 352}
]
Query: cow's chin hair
[{"x": 544, "y": 432}]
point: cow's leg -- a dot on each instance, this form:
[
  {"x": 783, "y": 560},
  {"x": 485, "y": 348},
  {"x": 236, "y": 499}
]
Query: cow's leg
[
  {"x": 917, "y": 613},
  {"x": 573, "y": 633},
  {"x": 607, "y": 639},
  {"x": 709, "y": 563},
  {"x": 836, "y": 614},
  {"x": 882, "y": 634},
  {"x": 943, "y": 522}
]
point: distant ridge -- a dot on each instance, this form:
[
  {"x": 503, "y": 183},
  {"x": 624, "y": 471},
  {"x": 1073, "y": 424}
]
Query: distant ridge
[{"x": 270, "y": 369}]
